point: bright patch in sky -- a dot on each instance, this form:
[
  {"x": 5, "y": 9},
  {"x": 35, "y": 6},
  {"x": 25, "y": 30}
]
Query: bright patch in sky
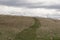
[
  {"x": 26, "y": 11},
  {"x": 45, "y": 1}
]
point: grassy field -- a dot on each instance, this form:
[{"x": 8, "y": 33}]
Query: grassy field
[
  {"x": 28, "y": 28},
  {"x": 30, "y": 33}
]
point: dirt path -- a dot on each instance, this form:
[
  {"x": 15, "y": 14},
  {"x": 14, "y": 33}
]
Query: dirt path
[{"x": 30, "y": 33}]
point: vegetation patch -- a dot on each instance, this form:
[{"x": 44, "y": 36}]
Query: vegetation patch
[
  {"x": 0, "y": 33},
  {"x": 28, "y": 34}
]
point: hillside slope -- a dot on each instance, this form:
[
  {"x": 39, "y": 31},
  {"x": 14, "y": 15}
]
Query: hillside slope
[{"x": 28, "y": 28}]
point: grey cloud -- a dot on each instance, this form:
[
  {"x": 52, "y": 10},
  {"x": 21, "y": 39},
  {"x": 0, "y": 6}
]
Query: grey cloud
[
  {"x": 24, "y": 3},
  {"x": 19, "y": 3},
  {"x": 48, "y": 7}
]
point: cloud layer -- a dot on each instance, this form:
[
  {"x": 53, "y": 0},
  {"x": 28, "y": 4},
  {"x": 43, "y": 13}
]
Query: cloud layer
[
  {"x": 51, "y": 4},
  {"x": 26, "y": 11},
  {"x": 40, "y": 8}
]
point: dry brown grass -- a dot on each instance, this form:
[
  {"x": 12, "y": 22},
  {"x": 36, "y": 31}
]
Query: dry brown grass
[
  {"x": 49, "y": 27},
  {"x": 10, "y": 25}
]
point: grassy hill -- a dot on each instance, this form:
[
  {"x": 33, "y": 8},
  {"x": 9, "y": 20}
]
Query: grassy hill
[{"x": 28, "y": 28}]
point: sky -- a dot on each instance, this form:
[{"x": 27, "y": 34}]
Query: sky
[{"x": 38, "y": 8}]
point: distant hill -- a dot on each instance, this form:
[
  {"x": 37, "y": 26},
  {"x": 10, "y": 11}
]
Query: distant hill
[{"x": 28, "y": 28}]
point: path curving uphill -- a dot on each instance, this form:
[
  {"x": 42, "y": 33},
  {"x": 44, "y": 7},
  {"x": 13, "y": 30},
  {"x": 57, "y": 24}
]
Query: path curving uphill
[{"x": 30, "y": 33}]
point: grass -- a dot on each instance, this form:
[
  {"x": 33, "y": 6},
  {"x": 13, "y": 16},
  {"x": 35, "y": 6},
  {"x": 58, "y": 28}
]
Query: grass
[
  {"x": 30, "y": 33},
  {"x": 28, "y": 28},
  {"x": 0, "y": 33},
  {"x": 11, "y": 25}
]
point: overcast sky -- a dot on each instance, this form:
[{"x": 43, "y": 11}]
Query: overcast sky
[{"x": 30, "y": 7}]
